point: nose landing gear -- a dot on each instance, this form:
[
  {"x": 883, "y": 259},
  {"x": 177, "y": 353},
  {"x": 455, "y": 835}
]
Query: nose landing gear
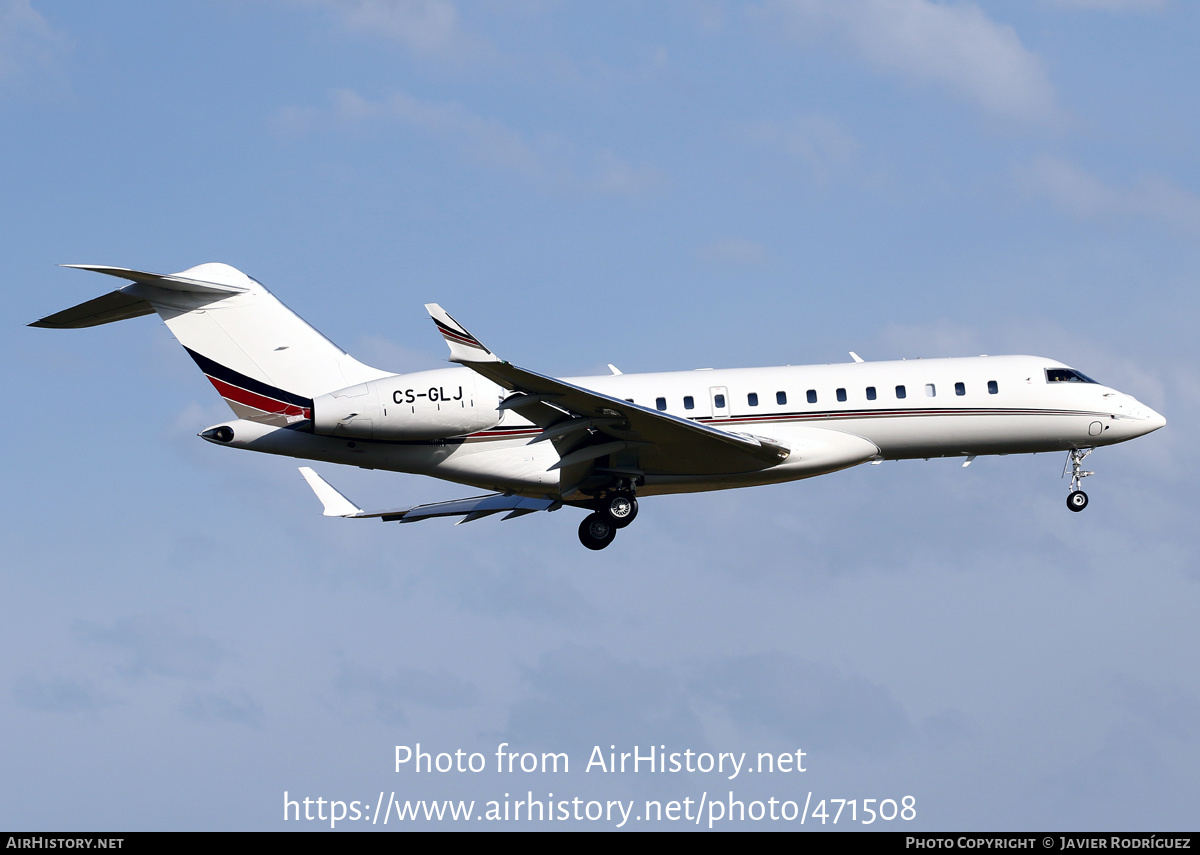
[{"x": 1077, "y": 500}]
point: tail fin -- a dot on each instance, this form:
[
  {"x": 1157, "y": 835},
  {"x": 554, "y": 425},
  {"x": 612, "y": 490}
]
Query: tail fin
[{"x": 264, "y": 360}]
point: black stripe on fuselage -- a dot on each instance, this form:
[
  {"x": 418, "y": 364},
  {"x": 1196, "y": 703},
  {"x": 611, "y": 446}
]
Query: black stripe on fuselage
[{"x": 235, "y": 378}]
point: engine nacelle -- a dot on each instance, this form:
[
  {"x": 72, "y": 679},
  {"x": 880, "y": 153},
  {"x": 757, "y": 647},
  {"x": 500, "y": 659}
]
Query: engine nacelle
[{"x": 423, "y": 405}]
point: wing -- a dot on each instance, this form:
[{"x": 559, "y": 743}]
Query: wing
[
  {"x": 599, "y": 437},
  {"x": 337, "y": 505}
]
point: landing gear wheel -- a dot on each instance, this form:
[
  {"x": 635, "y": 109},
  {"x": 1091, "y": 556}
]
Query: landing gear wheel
[
  {"x": 621, "y": 508},
  {"x": 1077, "y": 500},
  {"x": 596, "y": 531}
]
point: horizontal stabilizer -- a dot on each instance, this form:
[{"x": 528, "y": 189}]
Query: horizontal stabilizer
[
  {"x": 173, "y": 282},
  {"x": 120, "y": 304},
  {"x": 337, "y": 505},
  {"x": 116, "y": 306}
]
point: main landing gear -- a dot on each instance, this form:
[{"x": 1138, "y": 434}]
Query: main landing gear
[
  {"x": 596, "y": 532},
  {"x": 614, "y": 510},
  {"x": 1077, "y": 500}
]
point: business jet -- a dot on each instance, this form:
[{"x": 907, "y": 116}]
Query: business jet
[{"x": 596, "y": 443}]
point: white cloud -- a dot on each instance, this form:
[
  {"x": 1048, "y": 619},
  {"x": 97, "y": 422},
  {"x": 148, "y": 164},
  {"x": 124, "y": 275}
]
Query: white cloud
[
  {"x": 709, "y": 15},
  {"x": 377, "y": 350},
  {"x": 792, "y": 698},
  {"x": 953, "y": 46},
  {"x": 578, "y": 691},
  {"x": 734, "y": 251},
  {"x": 823, "y": 144},
  {"x": 235, "y": 707},
  {"x": 30, "y": 49},
  {"x": 1113, "y": 5},
  {"x": 391, "y": 693},
  {"x": 155, "y": 646},
  {"x": 427, "y": 28},
  {"x": 1083, "y": 194},
  {"x": 59, "y": 694},
  {"x": 941, "y": 338},
  {"x": 547, "y": 159}
]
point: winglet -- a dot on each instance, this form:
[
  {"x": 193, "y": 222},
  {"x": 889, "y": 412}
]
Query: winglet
[
  {"x": 336, "y": 505},
  {"x": 464, "y": 347}
]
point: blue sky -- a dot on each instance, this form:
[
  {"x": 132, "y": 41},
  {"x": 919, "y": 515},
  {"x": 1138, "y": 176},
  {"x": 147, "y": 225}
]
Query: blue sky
[{"x": 661, "y": 186}]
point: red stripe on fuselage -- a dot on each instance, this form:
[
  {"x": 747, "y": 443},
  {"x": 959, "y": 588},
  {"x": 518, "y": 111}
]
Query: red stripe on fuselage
[{"x": 259, "y": 402}]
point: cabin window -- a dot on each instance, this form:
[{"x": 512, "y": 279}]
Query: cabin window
[
  {"x": 870, "y": 393},
  {"x": 1066, "y": 375},
  {"x": 689, "y": 403},
  {"x": 661, "y": 403},
  {"x": 900, "y": 392},
  {"x": 841, "y": 394},
  {"x": 812, "y": 396},
  {"x": 993, "y": 387},
  {"x": 752, "y": 399},
  {"x": 719, "y": 401},
  {"x": 930, "y": 390},
  {"x": 630, "y": 400},
  {"x": 960, "y": 389},
  {"x": 781, "y": 398}
]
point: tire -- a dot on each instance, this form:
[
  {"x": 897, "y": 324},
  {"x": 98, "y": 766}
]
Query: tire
[
  {"x": 596, "y": 531},
  {"x": 621, "y": 508},
  {"x": 1077, "y": 501}
]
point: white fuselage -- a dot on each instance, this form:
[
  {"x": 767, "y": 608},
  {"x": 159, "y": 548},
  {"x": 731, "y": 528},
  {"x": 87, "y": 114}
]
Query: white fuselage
[{"x": 871, "y": 410}]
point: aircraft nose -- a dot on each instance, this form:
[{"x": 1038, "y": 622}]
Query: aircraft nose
[{"x": 1154, "y": 420}]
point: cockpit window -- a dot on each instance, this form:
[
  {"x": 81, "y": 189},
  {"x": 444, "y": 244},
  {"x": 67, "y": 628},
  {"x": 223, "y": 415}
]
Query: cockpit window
[{"x": 1066, "y": 375}]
